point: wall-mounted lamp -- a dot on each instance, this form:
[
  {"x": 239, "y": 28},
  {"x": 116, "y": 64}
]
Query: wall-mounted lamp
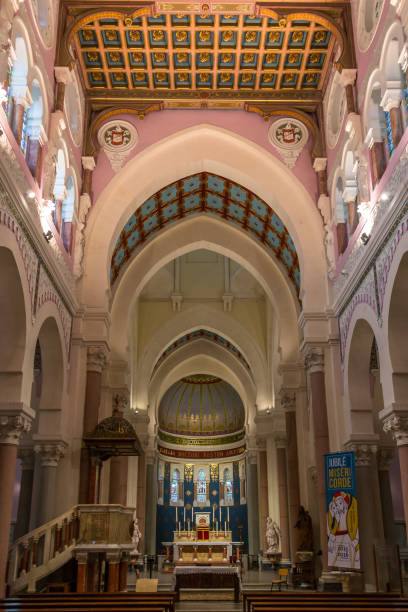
[
  {"x": 365, "y": 238},
  {"x": 48, "y": 235},
  {"x": 268, "y": 410}
]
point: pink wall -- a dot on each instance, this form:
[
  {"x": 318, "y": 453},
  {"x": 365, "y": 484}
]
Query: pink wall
[{"x": 159, "y": 125}]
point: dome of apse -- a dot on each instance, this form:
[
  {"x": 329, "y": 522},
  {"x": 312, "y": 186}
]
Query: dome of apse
[{"x": 201, "y": 405}]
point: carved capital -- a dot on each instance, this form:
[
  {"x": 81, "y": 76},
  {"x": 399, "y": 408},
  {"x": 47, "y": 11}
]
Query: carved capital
[
  {"x": 26, "y": 454},
  {"x": 363, "y": 453},
  {"x": 88, "y": 163},
  {"x": 314, "y": 359},
  {"x": 120, "y": 400},
  {"x": 12, "y": 427},
  {"x": 288, "y": 400},
  {"x": 397, "y": 424},
  {"x": 320, "y": 164},
  {"x": 62, "y": 74},
  {"x": 385, "y": 456},
  {"x": 96, "y": 358},
  {"x": 391, "y": 99},
  {"x": 51, "y": 452},
  {"x": 348, "y": 76}
]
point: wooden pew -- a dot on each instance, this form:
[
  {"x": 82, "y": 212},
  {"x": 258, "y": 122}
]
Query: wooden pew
[
  {"x": 99, "y": 602},
  {"x": 364, "y": 600}
]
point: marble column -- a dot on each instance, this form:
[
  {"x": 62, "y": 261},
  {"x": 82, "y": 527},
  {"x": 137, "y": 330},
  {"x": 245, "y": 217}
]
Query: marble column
[
  {"x": 26, "y": 490},
  {"x": 62, "y": 77},
  {"x": 82, "y": 564},
  {"x": 141, "y": 498},
  {"x": 347, "y": 80},
  {"x": 283, "y": 500},
  {"x": 118, "y": 480},
  {"x": 151, "y": 502},
  {"x": 385, "y": 455},
  {"x": 315, "y": 368},
  {"x": 369, "y": 507},
  {"x": 288, "y": 402},
  {"x": 113, "y": 559},
  {"x": 397, "y": 424},
  {"x": 12, "y": 426},
  {"x": 391, "y": 103},
  {"x": 252, "y": 505},
  {"x": 95, "y": 363},
  {"x": 263, "y": 496},
  {"x": 50, "y": 452}
]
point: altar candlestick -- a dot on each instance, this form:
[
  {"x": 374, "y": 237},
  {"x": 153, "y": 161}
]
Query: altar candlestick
[
  {"x": 176, "y": 514},
  {"x": 225, "y": 526},
  {"x": 179, "y": 528},
  {"x": 228, "y": 514},
  {"x": 184, "y": 517},
  {"x": 220, "y": 514},
  {"x": 213, "y": 514}
]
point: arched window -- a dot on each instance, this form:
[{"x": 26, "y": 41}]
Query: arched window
[
  {"x": 67, "y": 213},
  {"x": 175, "y": 482},
  {"x": 34, "y": 119},
  {"x": 59, "y": 191},
  {"x": 201, "y": 487},
  {"x": 17, "y": 93},
  {"x": 227, "y": 486}
]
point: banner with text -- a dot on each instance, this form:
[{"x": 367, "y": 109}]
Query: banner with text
[{"x": 342, "y": 515}]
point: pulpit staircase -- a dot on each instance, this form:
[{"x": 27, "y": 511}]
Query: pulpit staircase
[{"x": 82, "y": 529}]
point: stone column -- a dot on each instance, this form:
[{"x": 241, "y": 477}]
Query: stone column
[
  {"x": 88, "y": 164},
  {"x": 113, "y": 559},
  {"x": 63, "y": 77},
  {"x": 50, "y": 452},
  {"x": 288, "y": 402},
  {"x": 252, "y": 505},
  {"x": 26, "y": 489},
  {"x": 283, "y": 500},
  {"x": 315, "y": 368},
  {"x": 12, "y": 426},
  {"x": 375, "y": 143},
  {"x": 263, "y": 496},
  {"x": 385, "y": 455},
  {"x": 119, "y": 465},
  {"x": 123, "y": 571},
  {"x": 347, "y": 80},
  {"x": 369, "y": 507},
  {"x": 82, "y": 563},
  {"x": 319, "y": 166},
  {"x": 20, "y": 105},
  {"x": 151, "y": 502},
  {"x": 141, "y": 498},
  {"x": 397, "y": 424},
  {"x": 95, "y": 364}
]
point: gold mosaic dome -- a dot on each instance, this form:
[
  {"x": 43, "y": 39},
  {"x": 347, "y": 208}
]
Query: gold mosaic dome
[{"x": 200, "y": 405}]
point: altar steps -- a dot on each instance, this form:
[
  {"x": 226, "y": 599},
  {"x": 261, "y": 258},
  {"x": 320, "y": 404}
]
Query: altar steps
[{"x": 208, "y": 606}]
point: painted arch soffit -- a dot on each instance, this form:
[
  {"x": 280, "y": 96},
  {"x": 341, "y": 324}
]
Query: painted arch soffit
[
  {"x": 201, "y": 334},
  {"x": 206, "y": 193}
]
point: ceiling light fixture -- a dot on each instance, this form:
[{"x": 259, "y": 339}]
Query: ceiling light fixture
[
  {"x": 384, "y": 197},
  {"x": 31, "y": 194},
  {"x": 365, "y": 238}
]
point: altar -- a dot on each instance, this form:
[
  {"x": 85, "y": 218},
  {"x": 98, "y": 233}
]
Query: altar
[{"x": 207, "y": 578}]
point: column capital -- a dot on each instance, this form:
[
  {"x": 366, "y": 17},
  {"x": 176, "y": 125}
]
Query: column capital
[
  {"x": 288, "y": 400},
  {"x": 62, "y": 74},
  {"x": 26, "y": 455},
  {"x": 348, "y": 76},
  {"x": 364, "y": 453},
  {"x": 113, "y": 557},
  {"x": 81, "y": 557},
  {"x": 397, "y": 425},
  {"x": 13, "y": 426},
  {"x": 320, "y": 164},
  {"x": 88, "y": 163},
  {"x": 96, "y": 357},
  {"x": 391, "y": 99},
  {"x": 385, "y": 456},
  {"x": 51, "y": 452},
  {"x": 314, "y": 359}
]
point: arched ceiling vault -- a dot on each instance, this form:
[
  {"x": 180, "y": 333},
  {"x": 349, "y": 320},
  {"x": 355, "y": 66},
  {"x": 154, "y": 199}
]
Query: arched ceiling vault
[{"x": 206, "y": 193}]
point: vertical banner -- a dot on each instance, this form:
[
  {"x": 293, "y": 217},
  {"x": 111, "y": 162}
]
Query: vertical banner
[{"x": 342, "y": 515}]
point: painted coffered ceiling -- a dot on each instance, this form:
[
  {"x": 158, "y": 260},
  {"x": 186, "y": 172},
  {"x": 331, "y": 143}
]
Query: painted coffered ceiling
[{"x": 178, "y": 55}]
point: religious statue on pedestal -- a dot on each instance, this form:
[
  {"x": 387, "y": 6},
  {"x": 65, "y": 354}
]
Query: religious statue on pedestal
[
  {"x": 136, "y": 535},
  {"x": 273, "y": 534}
]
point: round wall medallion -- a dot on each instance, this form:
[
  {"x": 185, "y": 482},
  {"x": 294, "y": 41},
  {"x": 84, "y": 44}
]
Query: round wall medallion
[
  {"x": 117, "y": 139},
  {"x": 288, "y": 136}
]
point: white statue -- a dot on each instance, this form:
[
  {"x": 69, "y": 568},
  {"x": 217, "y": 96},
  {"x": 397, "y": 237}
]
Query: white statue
[
  {"x": 136, "y": 535},
  {"x": 273, "y": 534}
]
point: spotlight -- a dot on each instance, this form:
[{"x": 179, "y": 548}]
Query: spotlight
[
  {"x": 48, "y": 235},
  {"x": 31, "y": 194},
  {"x": 268, "y": 411},
  {"x": 365, "y": 238},
  {"x": 384, "y": 197},
  {"x": 136, "y": 411}
]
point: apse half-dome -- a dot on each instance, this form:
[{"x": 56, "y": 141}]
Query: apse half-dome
[{"x": 201, "y": 405}]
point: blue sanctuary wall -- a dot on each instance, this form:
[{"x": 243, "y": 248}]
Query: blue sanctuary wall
[{"x": 166, "y": 514}]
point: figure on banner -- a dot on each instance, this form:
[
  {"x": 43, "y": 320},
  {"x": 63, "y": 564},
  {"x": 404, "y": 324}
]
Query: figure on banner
[
  {"x": 273, "y": 534},
  {"x": 342, "y": 531}
]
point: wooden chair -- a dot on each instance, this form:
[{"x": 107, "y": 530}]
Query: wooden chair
[{"x": 283, "y": 574}]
